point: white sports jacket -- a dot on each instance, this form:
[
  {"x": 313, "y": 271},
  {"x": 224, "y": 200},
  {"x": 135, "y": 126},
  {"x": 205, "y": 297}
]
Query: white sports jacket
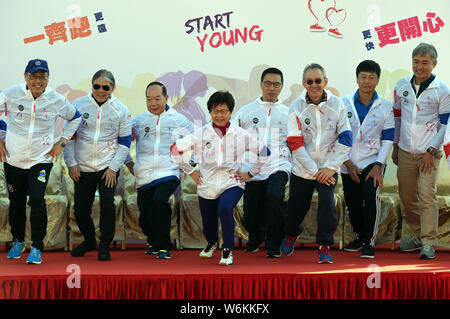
[
  {"x": 31, "y": 123},
  {"x": 219, "y": 158},
  {"x": 103, "y": 138},
  {"x": 420, "y": 122},
  {"x": 319, "y": 136},
  {"x": 267, "y": 123},
  {"x": 373, "y": 140},
  {"x": 154, "y": 135}
]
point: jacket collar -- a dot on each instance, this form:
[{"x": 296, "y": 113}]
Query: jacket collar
[
  {"x": 432, "y": 82},
  {"x": 107, "y": 102},
  {"x": 265, "y": 103},
  {"x": 27, "y": 91},
  {"x": 167, "y": 109},
  {"x": 325, "y": 97},
  {"x": 230, "y": 129}
]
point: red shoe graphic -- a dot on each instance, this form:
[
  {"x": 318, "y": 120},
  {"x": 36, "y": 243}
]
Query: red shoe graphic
[
  {"x": 335, "y": 33},
  {"x": 316, "y": 28}
]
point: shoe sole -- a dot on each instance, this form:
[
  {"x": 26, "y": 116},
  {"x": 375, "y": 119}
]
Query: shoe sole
[
  {"x": 104, "y": 259},
  {"x": 273, "y": 256},
  {"x": 353, "y": 249},
  {"x": 225, "y": 264},
  {"x": 252, "y": 251},
  {"x": 325, "y": 261},
  {"x": 426, "y": 257},
  {"x": 367, "y": 256},
  {"x": 34, "y": 262},
  {"x": 287, "y": 254},
  {"x": 205, "y": 255},
  {"x": 18, "y": 257},
  {"x": 409, "y": 250},
  {"x": 335, "y": 35}
]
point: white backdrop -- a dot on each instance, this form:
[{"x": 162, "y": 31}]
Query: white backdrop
[{"x": 146, "y": 40}]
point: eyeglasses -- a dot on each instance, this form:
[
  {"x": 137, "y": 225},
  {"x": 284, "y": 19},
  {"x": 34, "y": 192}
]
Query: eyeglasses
[
  {"x": 104, "y": 87},
  {"x": 310, "y": 82},
  {"x": 221, "y": 112},
  {"x": 269, "y": 84},
  {"x": 38, "y": 77}
]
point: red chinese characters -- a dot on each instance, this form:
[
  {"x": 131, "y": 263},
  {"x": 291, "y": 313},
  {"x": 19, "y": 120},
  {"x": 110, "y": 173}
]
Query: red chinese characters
[
  {"x": 78, "y": 27},
  {"x": 403, "y": 30}
]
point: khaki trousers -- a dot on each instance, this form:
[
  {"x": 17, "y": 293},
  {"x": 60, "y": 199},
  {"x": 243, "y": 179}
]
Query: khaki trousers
[{"x": 418, "y": 195}]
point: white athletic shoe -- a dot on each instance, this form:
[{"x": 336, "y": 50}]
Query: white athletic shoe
[
  {"x": 227, "y": 257},
  {"x": 209, "y": 250}
]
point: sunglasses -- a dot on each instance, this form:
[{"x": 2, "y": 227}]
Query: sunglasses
[
  {"x": 104, "y": 87},
  {"x": 310, "y": 82}
]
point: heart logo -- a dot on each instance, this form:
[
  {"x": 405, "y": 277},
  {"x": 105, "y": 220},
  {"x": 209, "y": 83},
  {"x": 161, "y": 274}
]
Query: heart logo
[
  {"x": 319, "y": 8},
  {"x": 335, "y": 17}
]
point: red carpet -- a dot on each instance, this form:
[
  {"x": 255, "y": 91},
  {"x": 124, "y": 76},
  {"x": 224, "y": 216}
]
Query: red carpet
[{"x": 133, "y": 275}]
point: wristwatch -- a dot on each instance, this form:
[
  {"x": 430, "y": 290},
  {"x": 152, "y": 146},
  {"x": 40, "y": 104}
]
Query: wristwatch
[
  {"x": 250, "y": 174},
  {"x": 63, "y": 144},
  {"x": 431, "y": 151}
]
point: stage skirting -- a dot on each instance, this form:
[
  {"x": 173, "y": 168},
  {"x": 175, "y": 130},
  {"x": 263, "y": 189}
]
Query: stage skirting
[{"x": 133, "y": 275}]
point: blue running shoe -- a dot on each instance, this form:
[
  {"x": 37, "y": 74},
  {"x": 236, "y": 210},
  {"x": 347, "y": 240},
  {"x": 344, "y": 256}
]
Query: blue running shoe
[
  {"x": 287, "y": 246},
  {"x": 149, "y": 250},
  {"x": 164, "y": 254},
  {"x": 324, "y": 255},
  {"x": 35, "y": 256},
  {"x": 16, "y": 250}
]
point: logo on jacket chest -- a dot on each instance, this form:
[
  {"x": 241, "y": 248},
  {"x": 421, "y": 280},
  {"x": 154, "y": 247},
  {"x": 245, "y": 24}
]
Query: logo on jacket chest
[
  {"x": 209, "y": 149},
  {"x": 147, "y": 132},
  {"x": 84, "y": 119}
]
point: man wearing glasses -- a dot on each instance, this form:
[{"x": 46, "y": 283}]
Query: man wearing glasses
[
  {"x": 320, "y": 138},
  {"x": 29, "y": 151},
  {"x": 264, "y": 205}
]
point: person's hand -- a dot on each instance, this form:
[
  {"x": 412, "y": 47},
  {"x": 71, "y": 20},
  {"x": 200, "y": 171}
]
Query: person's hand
[
  {"x": 56, "y": 150},
  {"x": 375, "y": 173},
  {"x": 243, "y": 177},
  {"x": 74, "y": 173},
  {"x": 3, "y": 152},
  {"x": 325, "y": 176},
  {"x": 427, "y": 163},
  {"x": 353, "y": 171},
  {"x": 110, "y": 178},
  {"x": 130, "y": 166},
  {"x": 197, "y": 177},
  {"x": 395, "y": 154}
]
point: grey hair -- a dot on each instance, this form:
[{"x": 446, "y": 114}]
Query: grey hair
[
  {"x": 107, "y": 75},
  {"x": 314, "y": 66},
  {"x": 424, "y": 48}
]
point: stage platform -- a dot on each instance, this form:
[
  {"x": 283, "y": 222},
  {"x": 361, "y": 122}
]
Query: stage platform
[{"x": 133, "y": 275}]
